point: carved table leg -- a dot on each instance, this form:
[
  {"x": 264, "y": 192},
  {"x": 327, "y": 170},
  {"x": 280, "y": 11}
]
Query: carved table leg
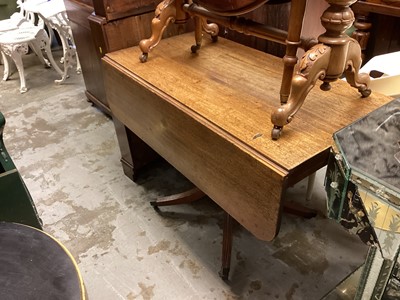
[
  {"x": 44, "y": 40},
  {"x": 200, "y": 26},
  {"x": 292, "y": 43},
  {"x": 336, "y": 54},
  {"x": 35, "y": 45},
  {"x": 6, "y": 71},
  {"x": 313, "y": 66},
  {"x": 358, "y": 80},
  {"x": 210, "y": 28},
  {"x": 167, "y": 11},
  {"x": 15, "y": 54}
]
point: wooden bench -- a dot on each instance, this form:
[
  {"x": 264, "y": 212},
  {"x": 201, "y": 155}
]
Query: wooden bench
[{"x": 208, "y": 114}]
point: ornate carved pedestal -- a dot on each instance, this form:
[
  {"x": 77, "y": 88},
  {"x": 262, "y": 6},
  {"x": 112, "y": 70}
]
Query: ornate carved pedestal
[{"x": 335, "y": 55}]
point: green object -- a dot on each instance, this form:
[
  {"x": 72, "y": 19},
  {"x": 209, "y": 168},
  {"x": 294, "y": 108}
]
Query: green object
[
  {"x": 16, "y": 204},
  {"x": 7, "y": 8}
]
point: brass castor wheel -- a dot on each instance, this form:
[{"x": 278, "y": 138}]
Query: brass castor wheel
[
  {"x": 214, "y": 38},
  {"x": 365, "y": 92},
  {"x": 276, "y": 132},
  {"x": 194, "y": 48},
  {"x": 143, "y": 57}
]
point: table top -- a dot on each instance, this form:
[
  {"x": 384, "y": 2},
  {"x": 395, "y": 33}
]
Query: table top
[{"x": 240, "y": 88}]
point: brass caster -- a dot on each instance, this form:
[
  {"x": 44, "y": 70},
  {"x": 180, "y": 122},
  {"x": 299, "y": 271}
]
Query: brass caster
[
  {"x": 214, "y": 38},
  {"x": 365, "y": 92},
  {"x": 276, "y": 132},
  {"x": 143, "y": 57},
  {"x": 194, "y": 48}
]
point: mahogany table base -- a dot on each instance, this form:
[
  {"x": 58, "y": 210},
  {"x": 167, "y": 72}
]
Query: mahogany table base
[{"x": 195, "y": 194}]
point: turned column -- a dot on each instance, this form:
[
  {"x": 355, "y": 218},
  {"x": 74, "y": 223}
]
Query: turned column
[{"x": 336, "y": 19}]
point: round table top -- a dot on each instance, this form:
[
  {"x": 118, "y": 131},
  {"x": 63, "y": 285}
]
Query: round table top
[{"x": 33, "y": 265}]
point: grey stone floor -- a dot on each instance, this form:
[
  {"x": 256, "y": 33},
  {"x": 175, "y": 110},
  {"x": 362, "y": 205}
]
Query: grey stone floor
[{"x": 67, "y": 153}]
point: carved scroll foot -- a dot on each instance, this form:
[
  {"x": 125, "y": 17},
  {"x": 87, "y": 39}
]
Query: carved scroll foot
[
  {"x": 164, "y": 14},
  {"x": 313, "y": 66},
  {"x": 358, "y": 80},
  {"x": 16, "y": 56},
  {"x": 210, "y": 28}
]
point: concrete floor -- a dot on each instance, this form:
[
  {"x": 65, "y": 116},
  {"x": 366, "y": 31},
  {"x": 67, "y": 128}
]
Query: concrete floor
[{"x": 67, "y": 152}]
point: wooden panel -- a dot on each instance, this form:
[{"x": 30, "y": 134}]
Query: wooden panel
[
  {"x": 384, "y": 34},
  {"x": 209, "y": 115},
  {"x": 385, "y": 37},
  {"x": 87, "y": 51},
  {"x": 117, "y": 9}
]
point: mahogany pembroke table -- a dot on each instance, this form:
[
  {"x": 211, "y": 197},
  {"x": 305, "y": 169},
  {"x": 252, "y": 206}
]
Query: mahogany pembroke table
[{"x": 206, "y": 114}]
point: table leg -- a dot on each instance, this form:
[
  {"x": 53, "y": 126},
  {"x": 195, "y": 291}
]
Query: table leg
[
  {"x": 165, "y": 13},
  {"x": 16, "y": 57},
  {"x": 44, "y": 40},
  {"x": 310, "y": 185},
  {"x": 6, "y": 71},
  {"x": 293, "y": 41},
  {"x": 35, "y": 45},
  {"x": 189, "y": 196},
  {"x": 227, "y": 238},
  {"x": 135, "y": 154},
  {"x": 336, "y": 54}
]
